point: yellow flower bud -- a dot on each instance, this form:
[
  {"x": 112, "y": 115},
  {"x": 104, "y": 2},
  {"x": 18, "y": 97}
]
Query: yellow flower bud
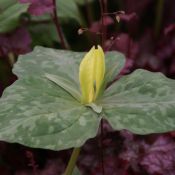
[{"x": 91, "y": 74}]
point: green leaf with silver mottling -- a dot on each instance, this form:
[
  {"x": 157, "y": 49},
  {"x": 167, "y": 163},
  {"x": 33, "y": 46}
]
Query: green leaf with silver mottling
[
  {"x": 95, "y": 107},
  {"x": 112, "y": 66},
  {"x": 143, "y": 102},
  {"x": 36, "y": 112},
  {"x": 112, "y": 70},
  {"x": 68, "y": 85}
]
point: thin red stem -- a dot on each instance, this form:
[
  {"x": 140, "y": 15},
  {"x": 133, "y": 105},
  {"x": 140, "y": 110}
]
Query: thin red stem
[
  {"x": 101, "y": 147},
  {"x": 105, "y": 10},
  {"x": 32, "y": 162},
  {"x": 105, "y": 6},
  {"x": 89, "y": 13},
  {"x": 103, "y": 37},
  {"x": 102, "y": 22},
  {"x": 58, "y": 26},
  {"x": 114, "y": 13}
]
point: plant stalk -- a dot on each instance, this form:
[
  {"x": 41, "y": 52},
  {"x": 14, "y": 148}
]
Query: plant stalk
[
  {"x": 101, "y": 147},
  {"x": 105, "y": 10},
  {"x": 72, "y": 161},
  {"x": 58, "y": 26},
  {"x": 89, "y": 12},
  {"x": 102, "y": 23},
  {"x": 158, "y": 18}
]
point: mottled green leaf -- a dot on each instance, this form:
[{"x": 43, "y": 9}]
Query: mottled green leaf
[
  {"x": 112, "y": 66},
  {"x": 95, "y": 107},
  {"x": 68, "y": 85},
  {"x": 37, "y": 112},
  {"x": 41, "y": 112},
  {"x": 143, "y": 102}
]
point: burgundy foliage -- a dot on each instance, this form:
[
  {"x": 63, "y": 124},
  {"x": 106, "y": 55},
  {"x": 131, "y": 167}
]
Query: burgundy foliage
[
  {"x": 124, "y": 153},
  {"x": 128, "y": 17},
  {"x": 17, "y": 42},
  {"x": 39, "y": 7},
  {"x": 160, "y": 156},
  {"x": 97, "y": 25}
]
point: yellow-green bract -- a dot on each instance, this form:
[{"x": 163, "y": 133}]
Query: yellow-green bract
[{"x": 91, "y": 74}]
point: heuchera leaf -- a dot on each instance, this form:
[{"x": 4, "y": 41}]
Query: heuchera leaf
[
  {"x": 160, "y": 157},
  {"x": 17, "y": 42},
  {"x": 39, "y": 7},
  {"x": 155, "y": 157}
]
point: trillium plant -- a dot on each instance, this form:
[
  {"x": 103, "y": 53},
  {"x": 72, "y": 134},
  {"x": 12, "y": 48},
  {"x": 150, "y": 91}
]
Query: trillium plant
[{"x": 59, "y": 100}]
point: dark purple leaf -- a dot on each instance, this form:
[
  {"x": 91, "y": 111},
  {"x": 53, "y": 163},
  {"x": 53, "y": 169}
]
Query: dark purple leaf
[
  {"x": 112, "y": 166},
  {"x": 17, "y": 42},
  {"x": 128, "y": 17},
  {"x": 125, "y": 44},
  {"x": 160, "y": 156},
  {"x": 169, "y": 29},
  {"x": 39, "y": 7},
  {"x": 136, "y": 6},
  {"x": 127, "y": 135},
  {"x": 130, "y": 150},
  {"x": 96, "y": 26}
]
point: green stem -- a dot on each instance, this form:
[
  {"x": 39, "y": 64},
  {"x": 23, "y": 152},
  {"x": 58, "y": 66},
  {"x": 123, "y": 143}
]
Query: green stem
[
  {"x": 158, "y": 18},
  {"x": 72, "y": 161}
]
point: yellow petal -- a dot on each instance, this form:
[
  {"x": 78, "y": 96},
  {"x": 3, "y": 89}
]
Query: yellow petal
[
  {"x": 91, "y": 74},
  {"x": 99, "y": 69},
  {"x": 86, "y": 76}
]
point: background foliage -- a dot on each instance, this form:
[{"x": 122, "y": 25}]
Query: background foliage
[{"x": 145, "y": 34}]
